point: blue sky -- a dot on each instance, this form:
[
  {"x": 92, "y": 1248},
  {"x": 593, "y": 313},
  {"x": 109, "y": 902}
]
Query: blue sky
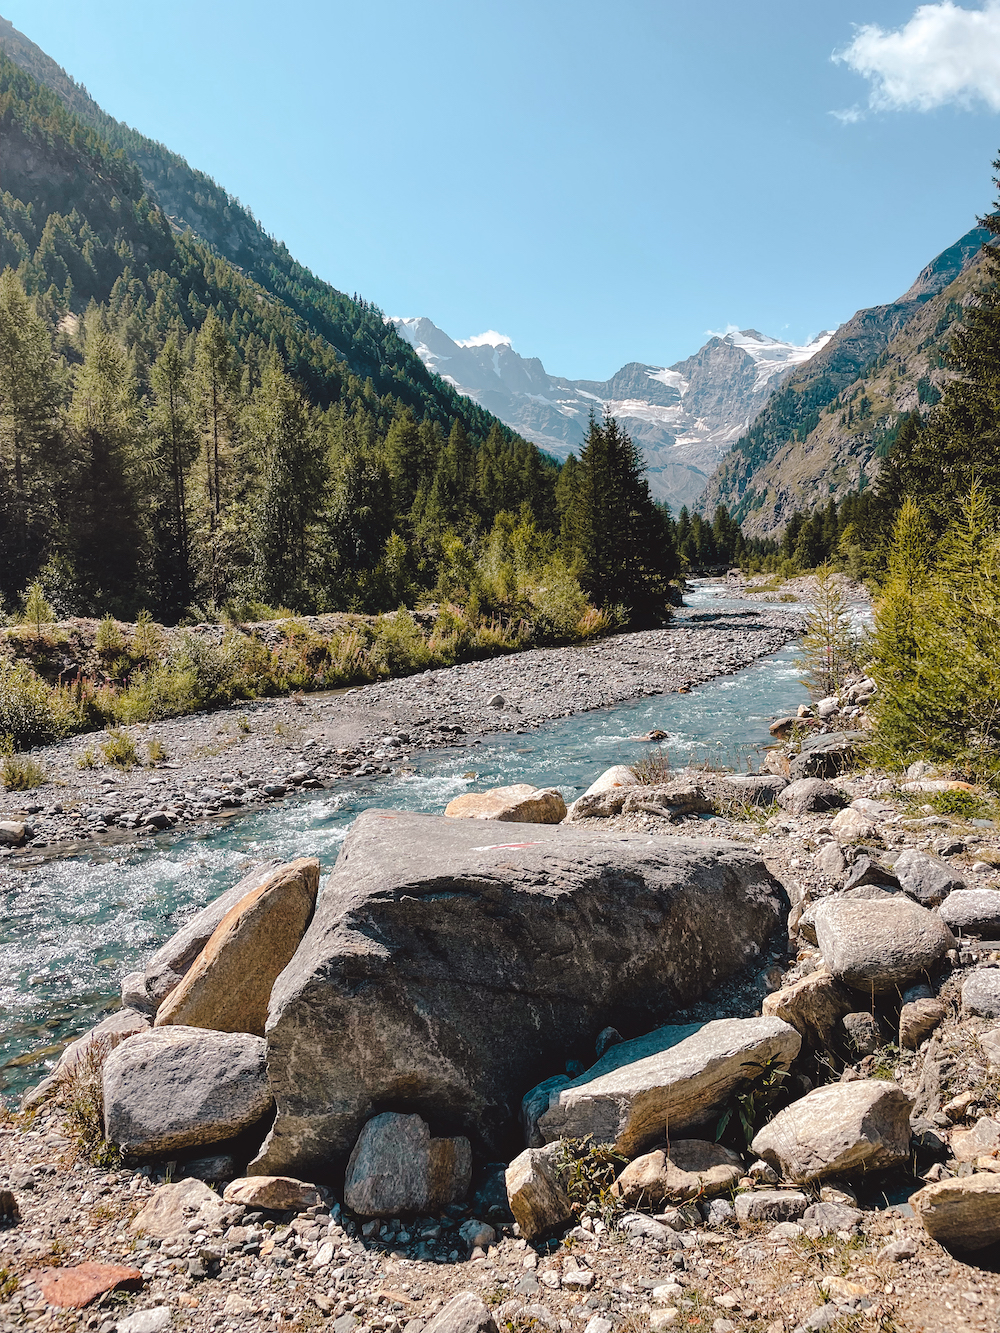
[{"x": 600, "y": 182}]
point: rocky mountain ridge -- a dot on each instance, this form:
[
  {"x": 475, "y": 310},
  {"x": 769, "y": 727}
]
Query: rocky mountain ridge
[
  {"x": 684, "y": 417},
  {"x": 826, "y": 431}
]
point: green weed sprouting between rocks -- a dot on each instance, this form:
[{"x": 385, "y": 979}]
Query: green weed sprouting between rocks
[
  {"x": 19, "y": 773},
  {"x": 751, "y": 1103},
  {"x": 119, "y": 749},
  {"x": 586, "y": 1171},
  {"x": 82, "y": 1099}
]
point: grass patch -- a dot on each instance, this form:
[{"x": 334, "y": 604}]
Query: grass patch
[
  {"x": 9, "y": 1283},
  {"x": 653, "y": 769},
  {"x": 88, "y": 759},
  {"x": 156, "y": 751},
  {"x": 82, "y": 1099},
  {"x": 19, "y": 773}
]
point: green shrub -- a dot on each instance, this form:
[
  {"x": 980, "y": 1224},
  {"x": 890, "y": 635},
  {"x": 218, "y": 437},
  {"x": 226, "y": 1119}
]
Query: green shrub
[
  {"x": 88, "y": 759},
  {"x": 119, "y": 749},
  {"x": 156, "y": 751},
  {"x": 19, "y": 773},
  {"x": 109, "y": 640},
  {"x": 25, "y": 706},
  {"x": 399, "y": 648}
]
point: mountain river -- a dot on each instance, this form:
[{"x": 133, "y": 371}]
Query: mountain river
[{"x": 71, "y": 928}]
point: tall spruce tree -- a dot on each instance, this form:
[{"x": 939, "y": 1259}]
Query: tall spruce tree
[{"x": 613, "y": 532}]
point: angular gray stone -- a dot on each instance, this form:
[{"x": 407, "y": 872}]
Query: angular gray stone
[
  {"x": 865, "y": 870},
  {"x": 973, "y": 912},
  {"x": 862, "y": 1032},
  {"x": 432, "y": 936},
  {"x": 671, "y": 1080},
  {"x": 825, "y": 756},
  {"x": 465, "y": 1313},
  {"x": 837, "y": 1129},
  {"x": 831, "y": 1217},
  {"x": 397, "y": 1168},
  {"x": 829, "y": 860},
  {"x": 879, "y": 944},
  {"x": 535, "y": 1194},
  {"x": 176, "y": 1088},
  {"x": 806, "y": 795},
  {"x": 770, "y": 1205},
  {"x": 926, "y": 879},
  {"x": 536, "y": 1102},
  {"x": 170, "y": 963},
  {"x": 981, "y": 992}
]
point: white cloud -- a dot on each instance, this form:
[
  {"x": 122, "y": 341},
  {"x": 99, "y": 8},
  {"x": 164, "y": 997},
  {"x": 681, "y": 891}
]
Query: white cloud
[
  {"x": 849, "y": 116},
  {"x": 488, "y": 339},
  {"x": 943, "y": 54},
  {"x": 722, "y": 333}
]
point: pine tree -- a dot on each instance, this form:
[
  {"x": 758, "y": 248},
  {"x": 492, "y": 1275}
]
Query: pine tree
[
  {"x": 176, "y": 446},
  {"x": 216, "y": 399}
]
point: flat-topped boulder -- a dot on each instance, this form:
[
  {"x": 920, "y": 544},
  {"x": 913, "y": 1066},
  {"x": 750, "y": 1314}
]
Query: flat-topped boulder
[
  {"x": 878, "y": 944},
  {"x": 671, "y": 1080},
  {"x": 519, "y": 804},
  {"x": 448, "y": 968}
]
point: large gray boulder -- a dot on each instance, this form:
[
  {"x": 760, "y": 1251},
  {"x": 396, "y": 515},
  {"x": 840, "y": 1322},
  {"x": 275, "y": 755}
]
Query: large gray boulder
[
  {"x": 175, "y": 1088},
  {"x": 669, "y": 1081},
  {"x": 449, "y": 967},
  {"x": 981, "y": 992},
  {"x": 961, "y": 1214},
  {"x": 973, "y": 912},
  {"x": 171, "y": 962},
  {"x": 807, "y": 795},
  {"x": 396, "y": 1168},
  {"x": 825, "y": 756},
  {"x": 837, "y": 1129},
  {"x": 879, "y": 944},
  {"x": 927, "y": 879}
]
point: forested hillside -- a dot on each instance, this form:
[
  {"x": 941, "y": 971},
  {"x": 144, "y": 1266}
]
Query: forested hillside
[
  {"x": 827, "y": 430},
  {"x": 178, "y": 436}
]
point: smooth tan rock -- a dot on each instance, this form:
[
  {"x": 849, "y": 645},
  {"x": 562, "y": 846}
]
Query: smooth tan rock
[
  {"x": 618, "y": 775},
  {"x": 839, "y": 1128},
  {"x": 279, "y": 1193},
  {"x": 671, "y": 1080},
  {"x": 878, "y": 944},
  {"x": 520, "y": 804},
  {"x": 170, "y": 963},
  {"x": 982, "y": 1140},
  {"x": 962, "y": 1214},
  {"x": 694, "y": 1169},
  {"x": 813, "y": 1005},
  {"x": 539, "y": 1203},
  {"x": 228, "y": 986},
  {"x": 172, "y": 1207},
  {"x": 918, "y": 1019},
  {"x": 397, "y": 1168}
]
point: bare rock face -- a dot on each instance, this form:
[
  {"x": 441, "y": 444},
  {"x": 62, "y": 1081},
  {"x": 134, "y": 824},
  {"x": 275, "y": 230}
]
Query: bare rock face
[
  {"x": 973, "y": 912},
  {"x": 171, "y": 961},
  {"x": 447, "y": 969},
  {"x": 838, "y": 1128},
  {"x": 879, "y": 944},
  {"x": 770, "y": 1205},
  {"x": 228, "y": 986},
  {"x": 692, "y": 1169},
  {"x": 981, "y": 992},
  {"x": 396, "y": 1168},
  {"x": 176, "y": 1088},
  {"x": 536, "y": 1197},
  {"x": 520, "y": 804},
  {"x": 813, "y": 1005},
  {"x": 962, "y": 1214},
  {"x": 676, "y": 1077},
  {"x": 927, "y": 879}
]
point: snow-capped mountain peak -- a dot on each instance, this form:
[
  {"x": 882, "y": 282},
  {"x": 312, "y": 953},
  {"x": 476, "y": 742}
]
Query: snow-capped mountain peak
[{"x": 684, "y": 417}]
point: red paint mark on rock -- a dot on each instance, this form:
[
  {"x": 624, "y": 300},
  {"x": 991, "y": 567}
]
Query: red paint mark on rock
[{"x": 73, "y": 1288}]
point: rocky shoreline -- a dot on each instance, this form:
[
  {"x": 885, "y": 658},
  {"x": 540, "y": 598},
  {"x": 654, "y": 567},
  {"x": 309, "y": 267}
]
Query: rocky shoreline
[{"x": 218, "y": 764}]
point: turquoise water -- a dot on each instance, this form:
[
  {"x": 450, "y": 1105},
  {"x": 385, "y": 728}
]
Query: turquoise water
[{"x": 72, "y": 928}]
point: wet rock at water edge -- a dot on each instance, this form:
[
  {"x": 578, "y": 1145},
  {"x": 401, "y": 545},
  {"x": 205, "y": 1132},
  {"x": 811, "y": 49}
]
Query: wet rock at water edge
[
  {"x": 228, "y": 986},
  {"x": 519, "y": 804}
]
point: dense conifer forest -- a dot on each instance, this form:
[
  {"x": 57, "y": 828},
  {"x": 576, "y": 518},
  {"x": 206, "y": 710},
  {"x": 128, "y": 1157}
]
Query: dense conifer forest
[{"x": 185, "y": 434}]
